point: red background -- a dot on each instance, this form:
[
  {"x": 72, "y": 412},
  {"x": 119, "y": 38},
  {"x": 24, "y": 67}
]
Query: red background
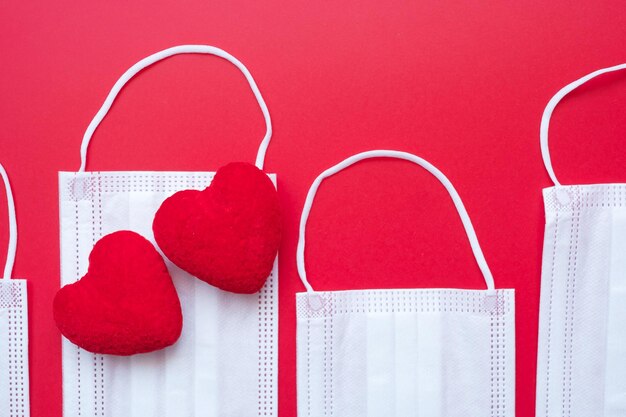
[{"x": 462, "y": 84}]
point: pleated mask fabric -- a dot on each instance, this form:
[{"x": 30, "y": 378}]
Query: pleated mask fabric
[
  {"x": 225, "y": 362},
  {"x": 14, "y": 378},
  {"x": 581, "y": 359},
  {"x": 429, "y": 352}
]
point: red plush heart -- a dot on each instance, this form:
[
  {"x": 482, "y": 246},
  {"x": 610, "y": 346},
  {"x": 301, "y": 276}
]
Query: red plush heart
[
  {"x": 125, "y": 304},
  {"x": 227, "y": 234}
]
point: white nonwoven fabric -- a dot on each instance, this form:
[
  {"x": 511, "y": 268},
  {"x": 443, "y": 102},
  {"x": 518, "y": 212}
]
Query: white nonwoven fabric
[
  {"x": 225, "y": 362},
  {"x": 14, "y": 380},
  {"x": 405, "y": 352},
  {"x": 581, "y": 362},
  {"x": 581, "y": 359},
  {"x": 14, "y": 377}
]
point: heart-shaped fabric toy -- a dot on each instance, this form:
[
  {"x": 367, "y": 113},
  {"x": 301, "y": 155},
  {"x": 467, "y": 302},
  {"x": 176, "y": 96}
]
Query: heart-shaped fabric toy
[
  {"x": 125, "y": 304},
  {"x": 227, "y": 234}
]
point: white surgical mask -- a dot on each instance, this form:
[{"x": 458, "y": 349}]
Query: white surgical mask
[
  {"x": 14, "y": 397},
  {"x": 581, "y": 362},
  {"x": 224, "y": 364},
  {"x": 414, "y": 352}
]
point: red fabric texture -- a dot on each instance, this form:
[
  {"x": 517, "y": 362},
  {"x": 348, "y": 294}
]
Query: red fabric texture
[
  {"x": 227, "y": 234},
  {"x": 125, "y": 304}
]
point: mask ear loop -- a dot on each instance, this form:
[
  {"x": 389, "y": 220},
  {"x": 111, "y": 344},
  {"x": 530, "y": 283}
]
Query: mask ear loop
[
  {"x": 456, "y": 199},
  {"x": 176, "y": 50},
  {"x": 8, "y": 267},
  {"x": 547, "y": 114}
]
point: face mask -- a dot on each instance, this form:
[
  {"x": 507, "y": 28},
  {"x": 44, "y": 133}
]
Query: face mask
[
  {"x": 410, "y": 352},
  {"x": 14, "y": 397},
  {"x": 224, "y": 363},
  {"x": 581, "y": 362}
]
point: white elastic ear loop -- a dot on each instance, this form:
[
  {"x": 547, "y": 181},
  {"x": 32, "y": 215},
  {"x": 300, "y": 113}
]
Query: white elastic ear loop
[
  {"x": 176, "y": 50},
  {"x": 467, "y": 224},
  {"x": 8, "y": 267},
  {"x": 547, "y": 113}
]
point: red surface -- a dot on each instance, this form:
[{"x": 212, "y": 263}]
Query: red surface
[
  {"x": 228, "y": 234},
  {"x": 462, "y": 84}
]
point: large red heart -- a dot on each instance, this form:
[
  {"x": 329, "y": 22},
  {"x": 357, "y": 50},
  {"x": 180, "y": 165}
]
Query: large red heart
[
  {"x": 227, "y": 234},
  {"x": 125, "y": 304}
]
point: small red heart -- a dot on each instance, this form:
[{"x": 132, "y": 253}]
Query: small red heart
[
  {"x": 227, "y": 234},
  {"x": 125, "y": 304}
]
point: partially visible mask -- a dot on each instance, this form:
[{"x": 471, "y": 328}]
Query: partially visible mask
[
  {"x": 14, "y": 396},
  {"x": 225, "y": 362},
  {"x": 431, "y": 352},
  {"x": 581, "y": 362}
]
